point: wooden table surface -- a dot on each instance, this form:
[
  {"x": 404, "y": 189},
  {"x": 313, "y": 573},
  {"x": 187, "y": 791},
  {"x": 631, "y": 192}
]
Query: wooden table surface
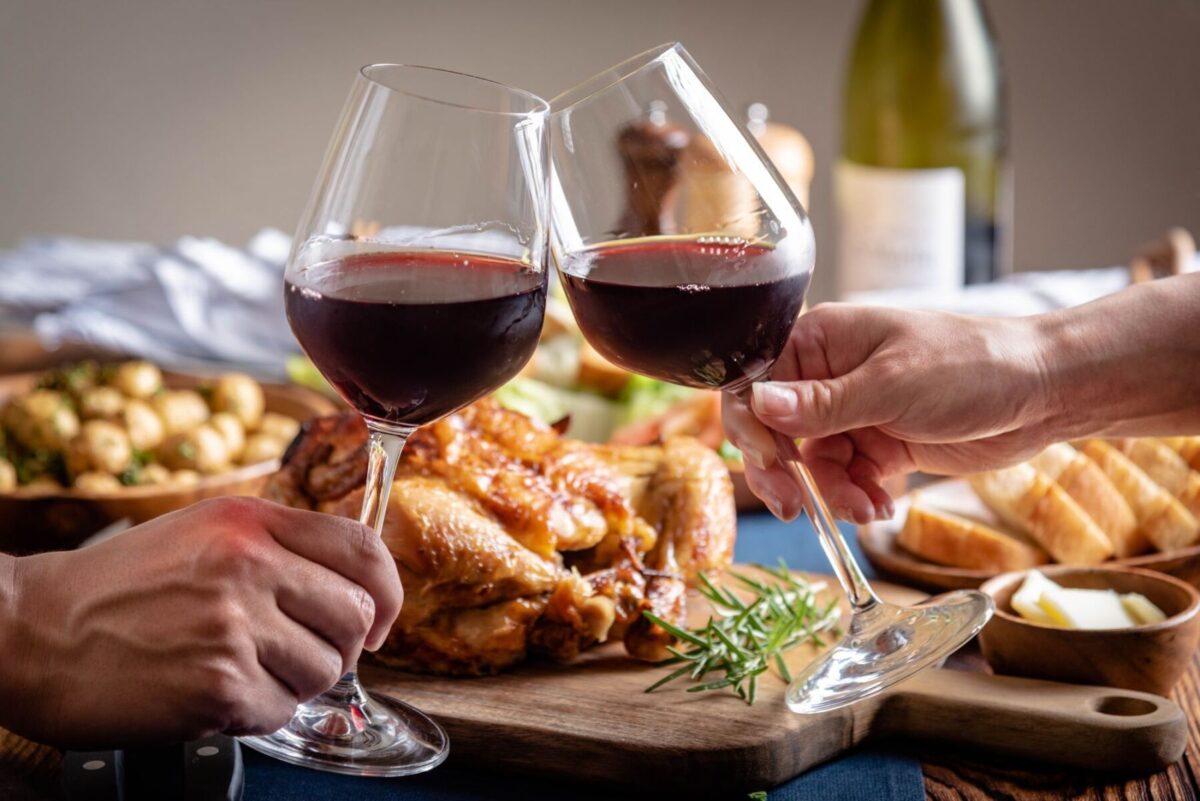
[{"x": 29, "y": 772}]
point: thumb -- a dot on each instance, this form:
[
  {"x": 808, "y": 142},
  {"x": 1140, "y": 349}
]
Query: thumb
[{"x": 819, "y": 408}]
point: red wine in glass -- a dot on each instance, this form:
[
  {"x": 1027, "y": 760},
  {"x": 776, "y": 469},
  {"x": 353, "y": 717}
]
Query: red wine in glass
[
  {"x": 409, "y": 336},
  {"x": 707, "y": 312}
]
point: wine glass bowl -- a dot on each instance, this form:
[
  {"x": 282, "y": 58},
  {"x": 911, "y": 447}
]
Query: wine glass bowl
[
  {"x": 416, "y": 284},
  {"x": 685, "y": 257}
]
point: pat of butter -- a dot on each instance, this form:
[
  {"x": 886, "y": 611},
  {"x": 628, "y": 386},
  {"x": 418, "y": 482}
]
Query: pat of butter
[
  {"x": 1027, "y": 600},
  {"x": 1085, "y": 609},
  {"x": 1141, "y": 608}
]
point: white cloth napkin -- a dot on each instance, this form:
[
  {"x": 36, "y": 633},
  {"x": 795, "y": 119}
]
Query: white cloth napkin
[
  {"x": 1014, "y": 295},
  {"x": 195, "y": 304}
]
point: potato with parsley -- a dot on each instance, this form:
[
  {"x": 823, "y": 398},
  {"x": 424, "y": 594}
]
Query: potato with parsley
[
  {"x": 279, "y": 426},
  {"x": 202, "y": 449},
  {"x": 100, "y": 446},
  {"x": 145, "y": 427},
  {"x": 184, "y": 478},
  {"x": 97, "y": 483},
  {"x": 101, "y": 403},
  {"x": 232, "y": 430},
  {"x": 153, "y": 474},
  {"x": 263, "y": 448},
  {"x": 8, "y": 476},
  {"x": 43, "y": 420},
  {"x": 241, "y": 396},
  {"x": 137, "y": 379},
  {"x": 180, "y": 410},
  {"x": 96, "y": 428}
]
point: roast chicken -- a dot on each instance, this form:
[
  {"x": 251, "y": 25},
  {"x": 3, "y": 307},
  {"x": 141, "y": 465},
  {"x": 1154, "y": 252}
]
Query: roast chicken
[{"x": 515, "y": 542}]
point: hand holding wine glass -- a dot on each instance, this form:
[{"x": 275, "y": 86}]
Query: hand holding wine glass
[
  {"x": 417, "y": 285},
  {"x": 963, "y": 394},
  {"x": 672, "y": 279}
]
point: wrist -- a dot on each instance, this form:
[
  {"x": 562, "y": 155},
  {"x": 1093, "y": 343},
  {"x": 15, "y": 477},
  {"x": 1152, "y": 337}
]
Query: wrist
[
  {"x": 20, "y": 692},
  {"x": 1055, "y": 352},
  {"x": 11, "y": 685}
]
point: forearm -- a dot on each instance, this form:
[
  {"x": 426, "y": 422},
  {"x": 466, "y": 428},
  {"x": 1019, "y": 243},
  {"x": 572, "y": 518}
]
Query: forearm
[{"x": 1125, "y": 365}]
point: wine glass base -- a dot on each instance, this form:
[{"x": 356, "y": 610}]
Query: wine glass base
[
  {"x": 383, "y": 737},
  {"x": 887, "y": 644}
]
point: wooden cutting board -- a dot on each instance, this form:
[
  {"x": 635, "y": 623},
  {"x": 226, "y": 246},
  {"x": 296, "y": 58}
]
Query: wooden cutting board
[{"x": 592, "y": 721}]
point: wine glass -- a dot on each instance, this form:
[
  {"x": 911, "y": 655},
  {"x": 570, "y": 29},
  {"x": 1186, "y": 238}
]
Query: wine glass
[
  {"x": 685, "y": 258},
  {"x": 417, "y": 285}
]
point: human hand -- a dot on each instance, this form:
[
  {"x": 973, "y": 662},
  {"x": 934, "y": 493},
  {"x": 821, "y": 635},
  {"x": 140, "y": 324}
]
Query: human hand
[
  {"x": 879, "y": 392},
  {"x": 218, "y": 617}
]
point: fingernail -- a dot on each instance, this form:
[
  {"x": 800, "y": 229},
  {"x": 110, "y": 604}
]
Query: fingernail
[
  {"x": 888, "y": 510},
  {"x": 774, "y": 505},
  {"x": 755, "y": 457},
  {"x": 773, "y": 400}
]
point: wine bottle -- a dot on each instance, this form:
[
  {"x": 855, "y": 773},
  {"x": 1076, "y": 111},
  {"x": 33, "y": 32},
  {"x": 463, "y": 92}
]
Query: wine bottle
[{"x": 918, "y": 187}]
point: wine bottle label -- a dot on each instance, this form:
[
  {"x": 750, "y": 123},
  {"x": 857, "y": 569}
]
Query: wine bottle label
[{"x": 899, "y": 228}]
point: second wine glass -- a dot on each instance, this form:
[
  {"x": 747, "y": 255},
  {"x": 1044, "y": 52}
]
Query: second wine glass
[
  {"x": 416, "y": 284},
  {"x": 686, "y": 258}
]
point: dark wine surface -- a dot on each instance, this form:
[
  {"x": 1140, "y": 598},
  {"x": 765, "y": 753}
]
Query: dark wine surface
[
  {"x": 688, "y": 311},
  {"x": 408, "y": 337}
]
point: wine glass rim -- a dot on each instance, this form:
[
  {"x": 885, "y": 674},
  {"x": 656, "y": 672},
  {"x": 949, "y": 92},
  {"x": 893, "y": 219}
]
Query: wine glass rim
[
  {"x": 537, "y": 105},
  {"x": 612, "y": 76}
]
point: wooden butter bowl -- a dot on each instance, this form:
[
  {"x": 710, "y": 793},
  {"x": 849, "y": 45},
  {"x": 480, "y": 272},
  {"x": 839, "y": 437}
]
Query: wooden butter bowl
[
  {"x": 1150, "y": 658},
  {"x": 34, "y": 521}
]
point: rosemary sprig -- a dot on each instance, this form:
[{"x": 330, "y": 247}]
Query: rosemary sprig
[{"x": 744, "y": 638}]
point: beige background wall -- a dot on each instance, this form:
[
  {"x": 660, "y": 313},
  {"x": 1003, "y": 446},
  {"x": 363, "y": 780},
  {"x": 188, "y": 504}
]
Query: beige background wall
[{"x": 147, "y": 119}]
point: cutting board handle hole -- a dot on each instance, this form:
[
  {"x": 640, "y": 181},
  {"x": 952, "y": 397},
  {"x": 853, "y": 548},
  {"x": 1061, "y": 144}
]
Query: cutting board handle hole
[{"x": 1124, "y": 706}]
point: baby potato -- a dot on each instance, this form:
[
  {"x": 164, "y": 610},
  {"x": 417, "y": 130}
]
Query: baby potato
[
  {"x": 42, "y": 420},
  {"x": 8, "y": 476},
  {"x": 153, "y": 474},
  {"x": 185, "y": 478},
  {"x": 101, "y": 403},
  {"x": 231, "y": 429},
  {"x": 180, "y": 410},
  {"x": 43, "y": 483},
  {"x": 144, "y": 425},
  {"x": 137, "y": 379},
  {"x": 280, "y": 426},
  {"x": 202, "y": 449},
  {"x": 100, "y": 446},
  {"x": 241, "y": 396},
  {"x": 97, "y": 482},
  {"x": 262, "y": 448}
]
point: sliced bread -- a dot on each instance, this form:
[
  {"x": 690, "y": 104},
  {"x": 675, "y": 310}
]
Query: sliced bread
[
  {"x": 1087, "y": 485},
  {"x": 965, "y": 537},
  {"x": 1160, "y": 515},
  {"x": 1028, "y": 500}
]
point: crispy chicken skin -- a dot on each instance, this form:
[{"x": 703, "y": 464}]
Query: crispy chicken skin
[{"x": 513, "y": 542}]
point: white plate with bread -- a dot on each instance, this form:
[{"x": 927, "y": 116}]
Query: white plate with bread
[{"x": 1130, "y": 502}]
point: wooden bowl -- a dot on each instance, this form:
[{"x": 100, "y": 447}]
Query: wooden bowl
[
  {"x": 1149, "y": 658},
  {"x": 878, "y": 543},
  {"x": 34, "y": 521}
]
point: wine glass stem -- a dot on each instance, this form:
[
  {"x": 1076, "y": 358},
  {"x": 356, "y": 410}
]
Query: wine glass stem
[
  {"x": 383, "y": 454},
  {"x": 854, "y": 583}
]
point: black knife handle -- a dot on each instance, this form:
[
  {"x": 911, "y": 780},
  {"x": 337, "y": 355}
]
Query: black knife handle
[
  {"x": 213, "y": 770},
  {"x": 94, "y": 776}
]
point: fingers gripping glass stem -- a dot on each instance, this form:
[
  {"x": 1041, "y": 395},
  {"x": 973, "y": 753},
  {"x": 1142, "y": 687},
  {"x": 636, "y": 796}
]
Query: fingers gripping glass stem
[{"x": 850, "y": 576}]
